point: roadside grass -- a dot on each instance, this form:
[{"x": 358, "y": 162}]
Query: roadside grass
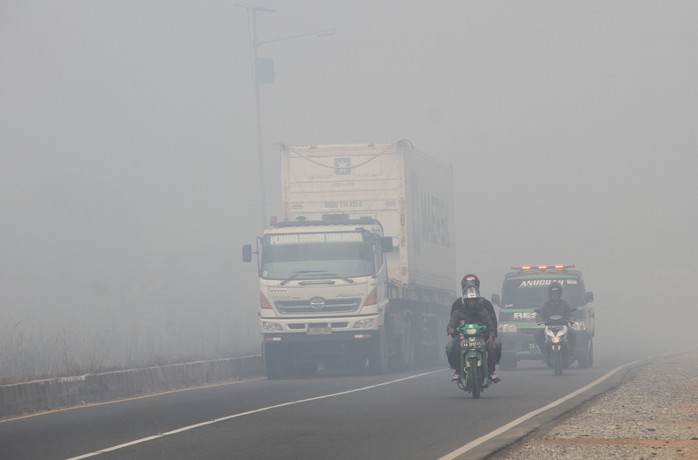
[{"x": 35, "y": 349}]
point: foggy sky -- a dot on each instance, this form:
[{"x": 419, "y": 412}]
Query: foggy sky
[{"x": 129, "y": 166}]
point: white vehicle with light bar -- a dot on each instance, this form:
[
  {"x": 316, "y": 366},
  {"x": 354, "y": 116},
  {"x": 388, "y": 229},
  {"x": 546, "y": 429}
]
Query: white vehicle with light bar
[
  {"x": 525, "y": 288},
  {"x": 360, "y": 274}
]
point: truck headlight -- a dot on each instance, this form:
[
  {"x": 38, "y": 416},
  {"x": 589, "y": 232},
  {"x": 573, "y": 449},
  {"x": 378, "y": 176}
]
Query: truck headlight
[
  {"x": 268, "y": 326},
  {"x": 507, "y": 327},
  {"x": 579, "y": 326},
  {"x": 368, "y": 323}
]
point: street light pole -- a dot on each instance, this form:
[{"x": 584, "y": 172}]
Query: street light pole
[{"x": 254, "y": 46}]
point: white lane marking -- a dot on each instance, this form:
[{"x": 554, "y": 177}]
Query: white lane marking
[
  {"x": 130, "y": 398},
  {"x": 242, "y": 414},
  {"x": 472, "y": 444}
]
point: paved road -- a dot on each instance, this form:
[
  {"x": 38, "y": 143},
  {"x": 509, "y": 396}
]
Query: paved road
[{"x": 418, "y": 415}]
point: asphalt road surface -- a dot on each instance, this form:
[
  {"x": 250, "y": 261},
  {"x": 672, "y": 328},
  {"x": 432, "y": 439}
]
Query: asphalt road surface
[{"x": 416, "y": 415}]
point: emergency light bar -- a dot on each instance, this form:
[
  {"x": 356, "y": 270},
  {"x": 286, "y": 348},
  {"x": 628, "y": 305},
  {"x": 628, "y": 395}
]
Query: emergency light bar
[{"x": 542, "y": 267}]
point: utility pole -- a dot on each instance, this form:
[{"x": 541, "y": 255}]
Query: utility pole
[
  {"x": 263, "y": 72},
  {"x": 254, "y": 45}
]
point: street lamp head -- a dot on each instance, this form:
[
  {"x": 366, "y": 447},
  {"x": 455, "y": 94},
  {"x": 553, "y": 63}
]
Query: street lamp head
[
  {"x": 325, "y": 33},
  {"x": 256, "y": 8}
]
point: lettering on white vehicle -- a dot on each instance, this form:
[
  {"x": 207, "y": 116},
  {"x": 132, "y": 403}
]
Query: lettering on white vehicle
[
  {"x": 526, "y": 315},
  {"x": 344, "y": 204},
  {"x": 546, "y": 282},
  {"x": 430, "y": 214},
  {"x": 295, "y": 238}
]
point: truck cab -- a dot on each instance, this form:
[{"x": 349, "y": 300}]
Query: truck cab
[
  {"x": 323, "y": 289},
  {"x": 524, "y": 289}
]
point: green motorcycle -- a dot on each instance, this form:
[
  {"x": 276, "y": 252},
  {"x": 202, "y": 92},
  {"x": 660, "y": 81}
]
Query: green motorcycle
[{"x": 474, "y": 374}]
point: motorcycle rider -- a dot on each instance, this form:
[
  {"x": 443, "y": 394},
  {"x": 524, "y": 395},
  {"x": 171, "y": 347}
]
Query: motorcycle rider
[
  {"x": 555, "y": 305},
  {"x": 470, "y": 280},
  {"x": 468, "y": 309}
]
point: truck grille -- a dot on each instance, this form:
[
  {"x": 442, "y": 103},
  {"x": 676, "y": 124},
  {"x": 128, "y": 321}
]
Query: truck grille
[{"x": 291, "y": 307}]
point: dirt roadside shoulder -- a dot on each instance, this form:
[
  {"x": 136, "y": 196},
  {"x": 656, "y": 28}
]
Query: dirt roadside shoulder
[{"x": 653, "y": 414}]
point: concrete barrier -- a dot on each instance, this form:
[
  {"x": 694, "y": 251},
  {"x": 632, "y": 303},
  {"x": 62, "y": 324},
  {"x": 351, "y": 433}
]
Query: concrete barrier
[{"x": 39, "y": 395}]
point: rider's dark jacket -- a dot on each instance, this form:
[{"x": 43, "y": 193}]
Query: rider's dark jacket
[
  {"x": 561, "y": 308},
  {"x": 484, "y": 303},
  {"x": 479, "y": 314}
]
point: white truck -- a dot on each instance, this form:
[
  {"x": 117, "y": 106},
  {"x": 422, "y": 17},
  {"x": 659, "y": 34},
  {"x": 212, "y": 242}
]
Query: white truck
[{"x": 361, "y": 271}]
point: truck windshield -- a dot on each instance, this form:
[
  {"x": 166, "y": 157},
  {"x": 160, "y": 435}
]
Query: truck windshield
[
  {"x": 317, "y": 260},
  {"x": 521, "y": 292}
]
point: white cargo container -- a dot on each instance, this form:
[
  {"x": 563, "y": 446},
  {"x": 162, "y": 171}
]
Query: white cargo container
[{"x": 363, "y": 265}]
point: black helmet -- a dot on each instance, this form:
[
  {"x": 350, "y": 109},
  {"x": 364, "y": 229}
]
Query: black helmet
[
  {"x": 470, "y": 279},
  {"x": 555, "y": 288}
]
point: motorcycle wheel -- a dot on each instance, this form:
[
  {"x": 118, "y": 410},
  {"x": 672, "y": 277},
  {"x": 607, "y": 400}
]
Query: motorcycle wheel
[
  {"x": 557, "y": 363},
  {"x": 474, "y": 378}
]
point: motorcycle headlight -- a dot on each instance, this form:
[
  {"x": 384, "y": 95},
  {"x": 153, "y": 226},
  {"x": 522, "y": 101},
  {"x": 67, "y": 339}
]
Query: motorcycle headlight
[
  {"x": 271, "y": 327},
  {"x": 556, "y": 339},
  {"x": 471, "y": 331},
  {"x": 365, "y": 323},
  {"x": 579, "y": 326},
  {"x": 507, "y": 327}
]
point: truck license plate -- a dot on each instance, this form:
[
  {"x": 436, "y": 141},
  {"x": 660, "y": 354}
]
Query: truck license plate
[{"x": 319, "y": 330}]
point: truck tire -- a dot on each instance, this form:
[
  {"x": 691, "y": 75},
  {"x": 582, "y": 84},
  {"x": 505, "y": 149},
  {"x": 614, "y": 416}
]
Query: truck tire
[
  {"x": 378, "y": 360},
  {"x": 439, "y": 355},
  {"x": 586, "y": 360},
  {"x": 405, "y": 355},
  {"x": 433, "y": 333},
  {"x": 274, "y": 363}
]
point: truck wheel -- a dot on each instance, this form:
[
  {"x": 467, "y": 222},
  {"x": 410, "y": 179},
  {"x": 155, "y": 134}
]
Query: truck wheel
[
  {"x": 587, "y": 360},
  {"x": 274, "y": 362},
  {"x": 432, "y": 354},
  {"x": 379, "y": 353},
  {"x": 405, "y": 357},
  {"x": 442, "y": 341}
]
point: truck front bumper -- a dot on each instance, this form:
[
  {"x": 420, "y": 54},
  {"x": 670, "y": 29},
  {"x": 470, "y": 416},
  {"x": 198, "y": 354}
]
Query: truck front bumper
[
  {"x": 520, "y": 345},
  {"x": 322, "y": 346},
  {"x": 363, "y": 336}
]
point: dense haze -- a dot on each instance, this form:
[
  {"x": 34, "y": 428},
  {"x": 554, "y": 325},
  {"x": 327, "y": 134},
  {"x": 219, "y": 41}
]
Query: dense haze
[{"x": 129, "y": 160}]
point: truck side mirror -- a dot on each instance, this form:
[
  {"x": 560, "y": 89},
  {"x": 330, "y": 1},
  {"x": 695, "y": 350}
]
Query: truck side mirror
[
  {"x": 588, "y": 297},
  {"x": 386, "y": 244},
  {"x": 496, "y": 300},
  {"x": 247, "y": 253}
]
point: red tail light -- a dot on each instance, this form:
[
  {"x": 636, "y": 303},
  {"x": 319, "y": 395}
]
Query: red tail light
[{"x": 264, "y": 302}]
